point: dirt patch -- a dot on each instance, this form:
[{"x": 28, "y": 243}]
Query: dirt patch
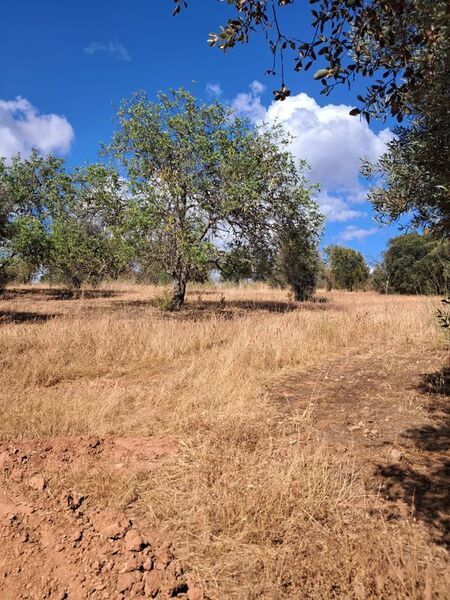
[
  {"x": 23, "y": 459},
  {"x": 57, "y": 544}
]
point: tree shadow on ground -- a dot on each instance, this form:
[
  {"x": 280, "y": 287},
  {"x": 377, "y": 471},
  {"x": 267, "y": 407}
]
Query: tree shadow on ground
[
  {"x": 424, "y": 484},
  {"x": 12, "y": 316},
  {"x": 224, "y": 309},
  {"x": 56, "y": 294}
]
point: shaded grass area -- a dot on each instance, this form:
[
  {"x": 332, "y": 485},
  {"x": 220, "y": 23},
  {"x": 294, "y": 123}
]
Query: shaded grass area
[
  {"x": 47, "y": 293},
  {"x": 13, "y": 316},
  {"x": 425, "y": 485}
]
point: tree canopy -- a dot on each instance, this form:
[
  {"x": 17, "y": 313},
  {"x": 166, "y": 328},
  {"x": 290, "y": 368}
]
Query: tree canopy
[
  {"x": 394, "y": 41},
  {"x": 348, "y": 267},
  {"x": 412, "y": 177},
  {"x": 402, "y": 48},
  {"x": 29, "y": 188},
  {"x": 88, "y": 239},
  {"x": 62, "y": 224},
  {"x": 202, "y": 181},
  {"x": 414, "y": 264}
]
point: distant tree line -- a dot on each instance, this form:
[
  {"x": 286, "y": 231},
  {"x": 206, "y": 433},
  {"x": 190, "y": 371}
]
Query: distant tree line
[
  {"x": 413, "y": 263},
  {"x": 193, "y": 189}
]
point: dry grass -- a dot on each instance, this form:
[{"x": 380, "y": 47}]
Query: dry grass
[{"x": 253, "y": 512}]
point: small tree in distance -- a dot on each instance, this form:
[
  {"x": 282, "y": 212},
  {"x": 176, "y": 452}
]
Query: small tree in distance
[
  {"x": 298, "y": 260},
  {"x": 348, "y": 267}
]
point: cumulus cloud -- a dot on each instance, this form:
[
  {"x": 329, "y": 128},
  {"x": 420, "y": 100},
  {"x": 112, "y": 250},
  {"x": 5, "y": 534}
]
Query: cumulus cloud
[
  {"x": 328, "y": 138},
  {"x": 257, "y": 87},
  {"x": 112, "y": 49},
  {"x": 336, "y": 209},
  {"x": 248, "y": 104},
  {"x": 22, "y": 127},
  {"x": 357, "y": 233},
  {"x": 214, "y": 90}
]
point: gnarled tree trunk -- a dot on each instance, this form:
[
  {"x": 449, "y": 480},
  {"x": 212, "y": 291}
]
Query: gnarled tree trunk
[{"x": 179, "y": 290}]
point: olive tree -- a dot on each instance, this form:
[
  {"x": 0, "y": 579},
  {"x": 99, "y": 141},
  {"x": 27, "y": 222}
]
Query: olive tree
[
  {"x": 412, "y": 178},
  {"x": 299, "y": 262},
  {"x": 202, "y": 180}
]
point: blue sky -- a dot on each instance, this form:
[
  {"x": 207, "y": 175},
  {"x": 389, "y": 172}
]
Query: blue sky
[{"x": 70, "y": 64}]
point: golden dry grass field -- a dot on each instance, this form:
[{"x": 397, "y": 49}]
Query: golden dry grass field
[{"x": 293, "y": 450}]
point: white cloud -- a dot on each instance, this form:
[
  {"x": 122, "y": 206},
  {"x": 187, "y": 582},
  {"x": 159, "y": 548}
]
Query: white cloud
[
  {"x": 22, "y": 128},
  {"x": 214, "y": 90},
  {"x": 112, "y": 49},
  {"x": 248, "y": 104},
  {"x": 336, "y": 209},
  {"x": 257, "y": 87},
  {"x": 328, "y": 138},
  {"x": 356, "y": 233}
]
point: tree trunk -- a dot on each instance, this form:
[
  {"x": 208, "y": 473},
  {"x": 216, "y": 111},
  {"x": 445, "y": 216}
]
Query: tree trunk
[
  {"x": 179, "y": 290},
  {"x": 75, "y": 287}
]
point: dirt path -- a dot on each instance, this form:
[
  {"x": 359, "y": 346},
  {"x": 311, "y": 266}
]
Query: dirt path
[{"x": 392, "y": 413}]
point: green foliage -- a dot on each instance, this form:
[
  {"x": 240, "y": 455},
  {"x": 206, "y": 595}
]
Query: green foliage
[
  {"x": 198, "y": 174},
  {"x": 415, "y": 264},
  {"x": 299, "y": 264},
  {"x": 88, "y": 234},
  {"x": 412, "y": 176},
  {"x": 164, "y": 302},
  {"x": 29, "y": 188},
  {"x": 443, "y": 315},
  {"x": 379, "y": 280},
  {"x": 29, "y": 246},
  {"x": 79, "y": 254},
  {"x": 237, "y": 264},
  {"x": 66, "y": 224},
  {"x": 395, "y": 42},
  {"x": 325, "y": 279},
  {"x": 348, "y": 267}
]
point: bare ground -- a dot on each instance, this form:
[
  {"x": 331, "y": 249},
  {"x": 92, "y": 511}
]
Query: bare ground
[{"x": 57, "y": 544}]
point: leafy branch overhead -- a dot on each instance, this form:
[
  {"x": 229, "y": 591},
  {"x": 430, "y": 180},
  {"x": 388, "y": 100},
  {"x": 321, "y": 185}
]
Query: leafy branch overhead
[{"x": 396, "y": 43}]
